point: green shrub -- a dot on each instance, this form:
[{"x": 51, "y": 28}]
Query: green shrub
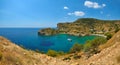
[
  {"x": 67, "y": 58},
  {"x": 98, "y": 41},
  {"x": 92, "y": 46},
  {"x": 76, "y": 48},
  {"x": 87, "y": 46},
  {"x": 76, "y": 56},
  {"x": 108, "y": 36},
  {"x": 52, "y": 53},
  {"x": 61, "y": 53},
  {"x": 116, "y": 30}
]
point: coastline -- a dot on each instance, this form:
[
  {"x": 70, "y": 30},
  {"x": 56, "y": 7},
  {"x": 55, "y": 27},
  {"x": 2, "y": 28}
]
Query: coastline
[{"x": 102, "y": 35}]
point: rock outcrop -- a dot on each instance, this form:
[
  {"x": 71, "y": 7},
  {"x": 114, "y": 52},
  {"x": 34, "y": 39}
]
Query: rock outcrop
[
  {"x": 84, "y": 26},
  {"x": 47, "y": 31}
]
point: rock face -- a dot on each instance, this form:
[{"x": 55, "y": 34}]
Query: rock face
[{"x": 84, "y": 26}]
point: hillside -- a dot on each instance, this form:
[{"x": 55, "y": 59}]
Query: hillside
[
  {"x": 108, "y": 56},
  {"x": 11, "y": 54},
  {"x": 84, "y": 26}
]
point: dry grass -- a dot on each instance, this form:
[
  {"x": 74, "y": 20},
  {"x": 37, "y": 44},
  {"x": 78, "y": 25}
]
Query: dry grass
[
  {"x": 110, "y": 42},
  {"x": 118, "y": 59},
  {"x": 1, "y": 56}
]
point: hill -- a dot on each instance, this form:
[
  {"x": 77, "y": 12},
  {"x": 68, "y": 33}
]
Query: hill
[
  {"x": 110, "y": 55},
  {"x": 11, "y": 54},
  {"x": 84, "y": 26}
]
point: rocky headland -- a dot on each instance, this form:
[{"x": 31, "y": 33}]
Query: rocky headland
[{"x": 84, "y": 26}]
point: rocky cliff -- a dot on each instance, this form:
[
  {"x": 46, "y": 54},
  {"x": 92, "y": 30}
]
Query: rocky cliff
[{"x": 84, "y": 26}]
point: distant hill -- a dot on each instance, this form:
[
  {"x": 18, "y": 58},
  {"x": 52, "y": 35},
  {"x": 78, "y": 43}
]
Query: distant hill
[{"x": 84, "y": 26}]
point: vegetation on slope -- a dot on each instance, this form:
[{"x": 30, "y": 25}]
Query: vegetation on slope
[
  {"x": 84, "y": 26},
  {"x": 76, "y": 48},
  {"x": 90, "y": 47},
  {"x": 109, "y": 55}
]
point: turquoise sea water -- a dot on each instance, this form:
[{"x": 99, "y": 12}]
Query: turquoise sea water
[{"x": 29, "y": 38}]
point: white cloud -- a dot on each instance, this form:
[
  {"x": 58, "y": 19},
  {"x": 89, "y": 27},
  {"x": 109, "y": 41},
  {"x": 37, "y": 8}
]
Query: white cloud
[
  {"x": 91, "y": 4},
  {"x": 65, "y": 7},
  {"x": 103, "y": 5},
  {"x": 70, "y": 13},
  {"x": 77, "y": 13}
]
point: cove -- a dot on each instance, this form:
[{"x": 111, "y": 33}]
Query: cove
[{"x": 29, "y": 38}]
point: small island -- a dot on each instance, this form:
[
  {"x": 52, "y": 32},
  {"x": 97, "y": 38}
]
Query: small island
[{"x": 83, "y": 27}]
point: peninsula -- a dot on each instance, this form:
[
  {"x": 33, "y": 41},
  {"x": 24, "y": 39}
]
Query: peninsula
[{"x": 83, "y": 27}]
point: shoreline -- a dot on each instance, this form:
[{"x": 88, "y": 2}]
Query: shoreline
[{"x": 99, "y": 35}]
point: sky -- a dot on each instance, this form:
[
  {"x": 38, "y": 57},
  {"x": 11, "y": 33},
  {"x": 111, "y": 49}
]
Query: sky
[{"x": 47, "y": 13}]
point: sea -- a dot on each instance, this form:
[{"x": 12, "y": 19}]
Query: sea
[{"x": 29, "y": 39}]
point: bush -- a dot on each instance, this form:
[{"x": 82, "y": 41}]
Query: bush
[
  {"x": 61, "y": 53},
  {"x": 76, "y": 57},
  {"x": 52, "y": 53},
  {"x": 67, "y": 58},
  {"x": 98, "y": 41},
  {"x": 92, "y": 46},
  {"x": 87, "y": 46},
  {"x": 116, "y": 28},
  {"x": 108, "y": 36},
  {"x": 76, "y": 48}
]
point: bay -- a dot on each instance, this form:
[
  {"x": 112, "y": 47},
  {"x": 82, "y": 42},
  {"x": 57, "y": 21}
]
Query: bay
[{"x": 29, "y": 38}]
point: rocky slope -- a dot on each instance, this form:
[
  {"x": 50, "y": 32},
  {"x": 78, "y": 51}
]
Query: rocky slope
[
  {"x": 11, "y": 54},
  {"x": 84, "y": 26},
  {"x": 109, "y": 55}
]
